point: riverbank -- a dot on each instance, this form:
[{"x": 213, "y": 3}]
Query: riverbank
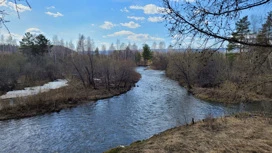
[
  {"x": 55, "y": 100},
  {"x": 239, "y": 133},
  {"x": 218, "y": 77},
  {"x": 229, "y": 92},
  {"x": 228, "y": 96}
]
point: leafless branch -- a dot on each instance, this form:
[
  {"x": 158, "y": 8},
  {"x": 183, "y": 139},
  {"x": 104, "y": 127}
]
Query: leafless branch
[
  {"x": 3, "y": 13},
  {"x": 213, "y": 19}
]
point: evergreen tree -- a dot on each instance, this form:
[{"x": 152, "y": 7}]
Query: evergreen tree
[
  {"x": 241, "y": 32},
  {"x": 96, "y": 52},
  {"x": 138, "y": 57},
  {"x": 35, "y": 45},
  {"x": 42, "y": 45},
  {"x": 147, "y": 54},
  {"x": 265, "y": 35}
]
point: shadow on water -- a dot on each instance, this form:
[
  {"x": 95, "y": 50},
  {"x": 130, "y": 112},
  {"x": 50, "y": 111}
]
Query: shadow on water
[{"x": 154, "y": 105}]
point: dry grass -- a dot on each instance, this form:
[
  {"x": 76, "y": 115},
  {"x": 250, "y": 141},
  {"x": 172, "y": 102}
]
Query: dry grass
[
  {"x": 241, "y": 133},
  {"x": 228, "y": 93}
]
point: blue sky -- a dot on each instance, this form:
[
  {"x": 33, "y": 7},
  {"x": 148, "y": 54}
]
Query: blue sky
[{"x": 105, "y": 21}]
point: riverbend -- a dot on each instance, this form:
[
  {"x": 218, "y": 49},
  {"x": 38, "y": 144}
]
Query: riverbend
[{"x": 154, "y": 105}]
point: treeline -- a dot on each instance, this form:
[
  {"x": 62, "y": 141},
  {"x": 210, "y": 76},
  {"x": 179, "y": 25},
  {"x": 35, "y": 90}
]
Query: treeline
[
  {"x": 38, "y": 62},
  {"x": 8, "y": 48}
]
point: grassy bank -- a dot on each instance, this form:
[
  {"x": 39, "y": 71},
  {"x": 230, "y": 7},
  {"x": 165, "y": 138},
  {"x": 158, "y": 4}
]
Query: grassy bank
[
  {"x": 229, "y": 92},
  {"x": 228, "y": 96},
  {"x": 239, "y": 133},
  {"x": 58, "y": 99}
]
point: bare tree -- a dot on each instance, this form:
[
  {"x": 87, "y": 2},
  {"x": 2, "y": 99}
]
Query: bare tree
[
  {"x": 55, "y": 40},
  {"x": 117, "y": 44},
  {"x": 123, "y": 46},
  {"x": 90, "y": 68},
  {"x": 71, "y": 45},
  {"x": 162, "y": 45},
  {"x": 129, "y": 45},
  {"x": 3, "y": 13},
  {"x": 103, "y": 47},
  {"x": 89, "y": 45},
  {"x": 80, "y": 43},
  {"x": 154, "y": 45},
  {"x": 134, "y": 47},
  {"x": 112, "y": 48},
  {"x": 209, "y": 22},
  {"x": 62, "y": 42}
]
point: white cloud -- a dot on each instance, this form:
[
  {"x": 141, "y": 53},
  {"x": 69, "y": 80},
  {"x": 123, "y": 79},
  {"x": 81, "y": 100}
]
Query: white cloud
[
  {"x": 107, "y": 25},
  {"x": 131, "y": 24},
  {"x": 156, "y": 19},
  {"x": 58, "y": 14},
  {"x": 18, "y": 7},
  {"x": 120, "y": 33},
  {"x": 34, "y": 30},
  {"x": 143, "y": 38},
  {"x": 50, "y": 7},
  {"x": 124, "y": 10},
  {"x": 92, "y": 25},
  {"x": 135, "y": 37},
  {"x": 136, "y": 18},
  {"x": 149, "y": 9},
  {"x": 136, "y": 7},
  {"x": 15, "y": 36}
]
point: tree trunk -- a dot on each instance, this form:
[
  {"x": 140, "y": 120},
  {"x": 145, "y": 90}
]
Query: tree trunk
[{"x": 80, "y": 75}]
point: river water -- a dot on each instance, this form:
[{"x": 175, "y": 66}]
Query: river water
[{"x": 154, "y": 105}]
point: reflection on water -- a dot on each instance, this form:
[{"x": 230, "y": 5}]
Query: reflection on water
[{"x": 156, "y": 105}]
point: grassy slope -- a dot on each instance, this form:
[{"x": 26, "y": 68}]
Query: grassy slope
[{"x": 242, "y": 133}]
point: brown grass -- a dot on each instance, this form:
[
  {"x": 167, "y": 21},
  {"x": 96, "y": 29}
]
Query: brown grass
[
  {"x": 228, "y": 93},
  {"x": 56, "y": 100},
  {"x": 240, "y": 133}
]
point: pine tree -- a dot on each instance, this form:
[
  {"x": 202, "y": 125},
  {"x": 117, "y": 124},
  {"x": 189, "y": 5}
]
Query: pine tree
[
  {"x": 240, "y": 34},
  {"x": 138, "y": 57},
  {"x": 265, "y": 35},
  {"x": 96, "y": 52},
  {"x": 31, "y": 45},
  {"x": 147, "y": 54}
]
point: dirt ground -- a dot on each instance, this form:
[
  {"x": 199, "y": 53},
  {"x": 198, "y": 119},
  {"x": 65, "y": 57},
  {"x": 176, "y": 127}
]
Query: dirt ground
[{"x": 239, "y": 133}]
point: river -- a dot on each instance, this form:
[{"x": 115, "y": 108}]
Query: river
[{"x": 154, "y": 105}]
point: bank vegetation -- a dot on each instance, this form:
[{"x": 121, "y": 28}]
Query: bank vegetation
[
  {"x": 242, "y": 73},
  {"x": 239, "y": 133}
]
